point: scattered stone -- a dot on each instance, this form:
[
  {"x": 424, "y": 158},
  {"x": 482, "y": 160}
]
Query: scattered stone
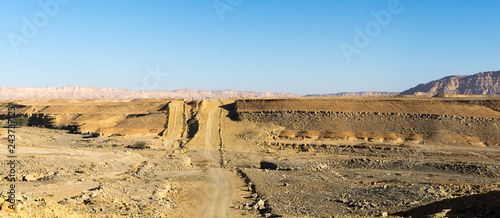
[
  {"x": 8, "y": 207},
  {"x": 261, "y": 204},
  {"x": 29, "y": 178},
  {"x": 441, "y": 214},
  {"x": 342, "y": 200},
  {"x": 81, "y": 170},
  {"x": 159, "y": 195}
]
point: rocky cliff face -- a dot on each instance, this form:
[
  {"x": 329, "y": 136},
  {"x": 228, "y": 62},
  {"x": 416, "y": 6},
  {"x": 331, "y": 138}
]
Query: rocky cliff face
[
  {"x": 82, "y": 92},
  {"x": 442, "y": 120},
  {"x": 485, "y": 83}
]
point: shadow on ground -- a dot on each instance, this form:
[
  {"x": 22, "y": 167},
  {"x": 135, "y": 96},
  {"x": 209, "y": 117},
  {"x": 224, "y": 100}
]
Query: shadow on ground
[
  {"x": 231, "y": 111},
  {"x": 480, "y": 205}
]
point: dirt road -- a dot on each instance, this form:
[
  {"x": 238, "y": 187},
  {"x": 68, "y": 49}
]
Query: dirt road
[
  {"x": 175, "y": 123},
  {"x": 218, "y": 185}
]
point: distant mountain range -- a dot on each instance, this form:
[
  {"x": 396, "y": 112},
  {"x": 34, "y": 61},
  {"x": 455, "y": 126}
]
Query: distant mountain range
[
  {"x": 82, "y": 92},
  {"x": 365, "y": 93},
  {"x": 484, "y": 83}
]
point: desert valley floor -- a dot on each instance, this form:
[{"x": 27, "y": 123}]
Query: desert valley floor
[{"x": 393, "y": 156}]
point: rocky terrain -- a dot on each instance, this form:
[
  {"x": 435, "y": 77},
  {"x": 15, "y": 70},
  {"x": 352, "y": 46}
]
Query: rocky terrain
[
  {"x": 484, "y": 83},
  {"x": 385, "y": 156},
  {"x": 469, "y": 120},
  {"x": 82, "y": 92}
]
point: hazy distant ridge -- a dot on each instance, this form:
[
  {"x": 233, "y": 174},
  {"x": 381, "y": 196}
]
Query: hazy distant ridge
[
  {"x": 484, "y": 83},
  {"x": 82, "y": 92},
  {"x": 365, "y": 93}
]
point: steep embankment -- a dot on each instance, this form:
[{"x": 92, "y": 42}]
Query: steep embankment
[
  {"x": 473, "y": 120},
  {"x": 105, "y": 117},
  {"x": 471, "y": 106}
]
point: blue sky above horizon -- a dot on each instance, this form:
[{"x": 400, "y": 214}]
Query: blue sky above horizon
[{"x": 276, "y": 46}]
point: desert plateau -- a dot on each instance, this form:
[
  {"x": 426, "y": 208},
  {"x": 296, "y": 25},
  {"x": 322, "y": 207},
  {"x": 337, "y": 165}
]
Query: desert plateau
[{"x": 386, "y": 156}]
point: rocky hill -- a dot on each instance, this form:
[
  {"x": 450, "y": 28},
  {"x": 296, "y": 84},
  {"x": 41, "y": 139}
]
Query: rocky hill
[
  {"x": 82, "y": 92},
  {"x": 484, "y": 83}
]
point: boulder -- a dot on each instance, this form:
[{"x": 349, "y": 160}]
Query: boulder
[{"x": 29, "y": 178}]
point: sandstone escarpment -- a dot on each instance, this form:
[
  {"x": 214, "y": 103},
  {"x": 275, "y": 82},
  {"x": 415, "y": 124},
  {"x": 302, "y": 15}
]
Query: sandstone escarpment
[
  {"x": 100, "y": 117},
  {"x": 429, "y": 125},
  {"x": 442, "y": 120}
]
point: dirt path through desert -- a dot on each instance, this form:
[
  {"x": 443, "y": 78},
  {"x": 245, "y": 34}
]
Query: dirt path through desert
[
  {"x": 218, "y": 191},
  {"x": 175, "y": 123}
]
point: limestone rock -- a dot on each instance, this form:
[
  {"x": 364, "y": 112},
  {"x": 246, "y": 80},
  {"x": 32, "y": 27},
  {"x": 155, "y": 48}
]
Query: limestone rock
[
  {"x": 485, "y": 83},
  {"x": 29, "y": 178}
]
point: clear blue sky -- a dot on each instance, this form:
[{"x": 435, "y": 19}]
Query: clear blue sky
[{"x": 255, "y": 45}]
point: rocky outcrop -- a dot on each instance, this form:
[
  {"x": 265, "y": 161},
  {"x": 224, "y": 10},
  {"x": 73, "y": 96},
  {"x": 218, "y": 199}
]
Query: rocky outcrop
[
  {"x": 440, "y": 120},
  {"x": 485, "y": 83},
  {"x": 82, "y": 92},
  {"x": 96, "y": 117},
  {"x": 442, "y": 128}
]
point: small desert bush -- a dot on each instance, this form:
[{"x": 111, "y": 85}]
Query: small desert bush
[
  {"x": 138, "y": 145},
  {"x": 21, "y": 121}
]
